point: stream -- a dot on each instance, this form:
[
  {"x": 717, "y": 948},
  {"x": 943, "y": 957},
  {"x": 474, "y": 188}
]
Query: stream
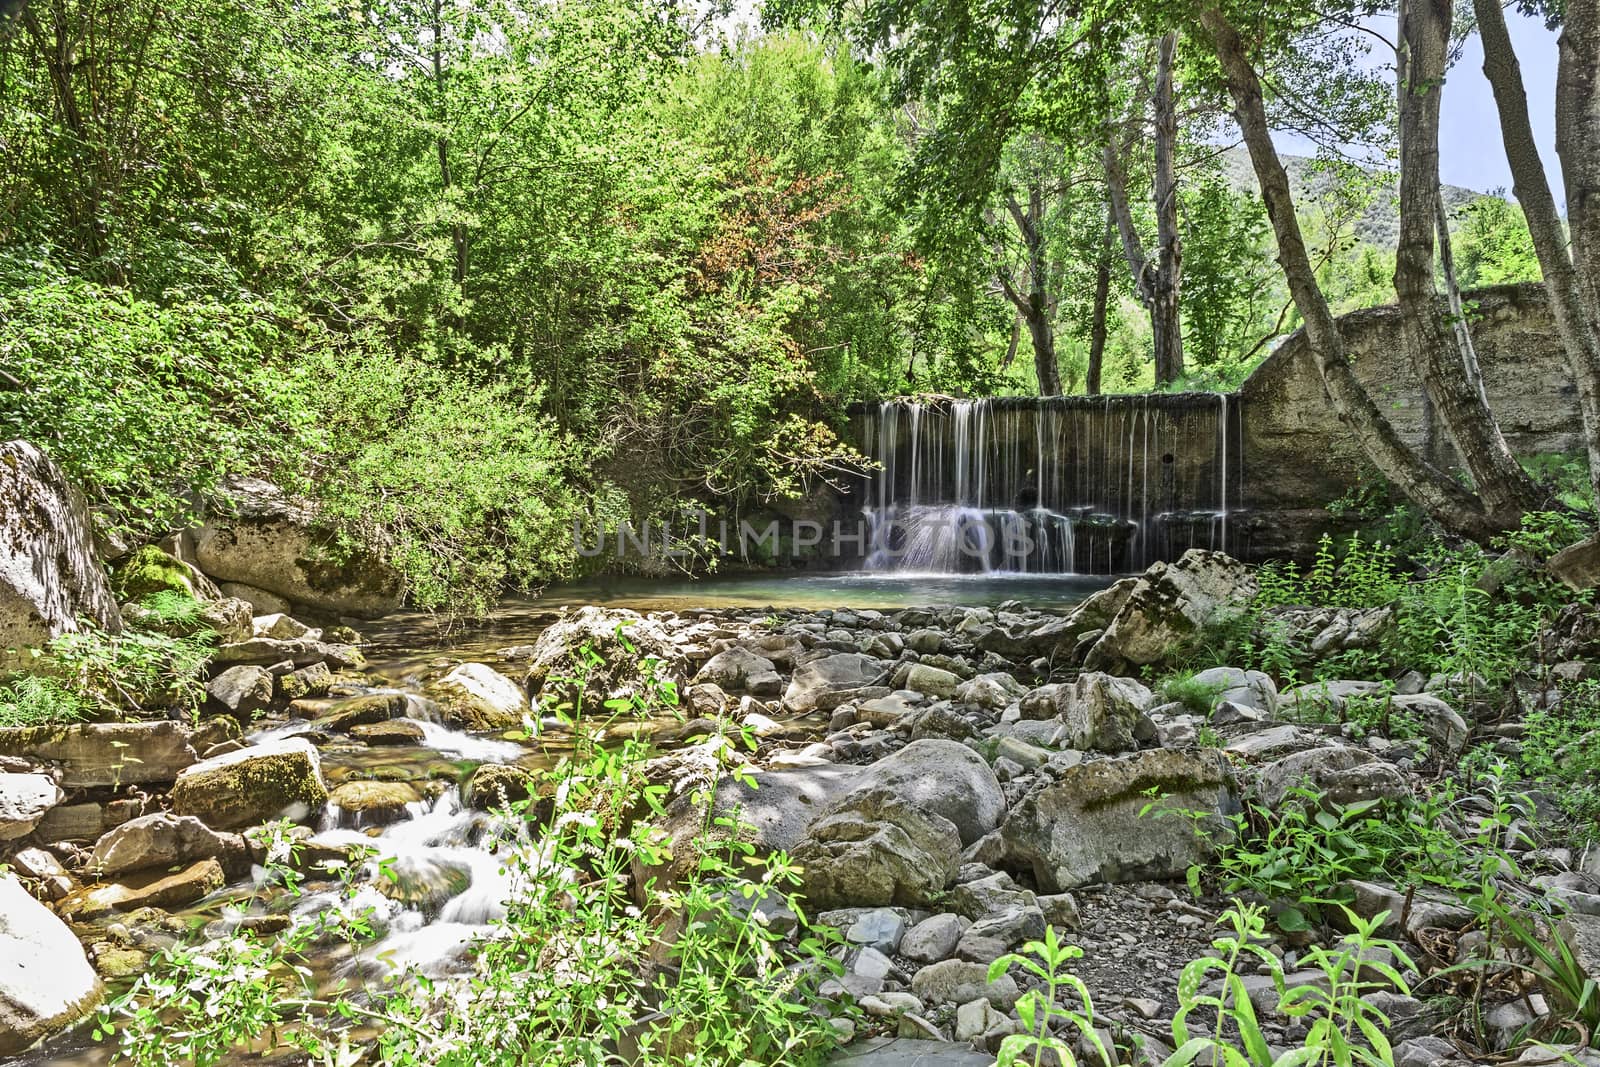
[{"x": 447, "y": 882}]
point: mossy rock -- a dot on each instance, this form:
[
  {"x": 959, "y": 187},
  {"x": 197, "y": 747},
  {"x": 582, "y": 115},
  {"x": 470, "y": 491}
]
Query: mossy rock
[
  {"x": 374, "y": 803},
  {"x": 252, "y": 785},
  {"x": 498, "y": 785},
  {"x": 149, "y": 571}
]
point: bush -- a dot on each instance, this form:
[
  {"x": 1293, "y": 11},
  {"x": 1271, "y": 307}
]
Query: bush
[{"x": 149, "y": 407}]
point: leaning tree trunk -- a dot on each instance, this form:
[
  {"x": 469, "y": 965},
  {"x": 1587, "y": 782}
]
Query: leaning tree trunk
[
  {"x": 1165, "y": 318},
  {"x": 1504, "y": 487},
  {"x": 1440, "y": 496},
  {"x": 1574, "y": 296}
]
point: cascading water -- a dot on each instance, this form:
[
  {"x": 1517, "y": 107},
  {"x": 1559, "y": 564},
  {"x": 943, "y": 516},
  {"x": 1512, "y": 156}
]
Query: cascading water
[{"x": 1057, "y": 485}]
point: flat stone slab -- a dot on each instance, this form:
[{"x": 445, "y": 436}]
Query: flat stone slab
[{"x": 908, "y": 1052}]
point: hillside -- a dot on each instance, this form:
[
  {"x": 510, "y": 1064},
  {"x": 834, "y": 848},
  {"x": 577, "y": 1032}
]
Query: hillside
[{"x": 1379, "y": 224}]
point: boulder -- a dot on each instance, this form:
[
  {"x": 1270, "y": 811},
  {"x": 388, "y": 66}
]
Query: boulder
[
  {"x": 958, "y": 982},
  {"x": 932, "y": 681},
  {"x": 635, "y": 655},
  {"x": 371, "y": 803},
  {"x": 300, "y": 651},
  {"x": 878, "y": 850},
  {"x": 260, "y": 601},
  {"x": 24, "y": 800},
  {"x": 267, "y": 541},
  {"x": 92, "y": 755},
  {"x": 934, "y": 938},
  {"x": 1102, "y": 713},
  {"x": 1087, "y": 826},
  {"x": 46, "y": 982},
  {"x": 148, "y": 571},
  {"x": 1249, "y": 689},
  {"x": 993, "y": 691},
  {"x": 498, "y": 785},
  {"x": 50, "y": 576},
  {"x": 774, "y": 807},
  {"x": 841, "y": 672},
  {"x": 1322, "y": 700},
  {"x": 945, "y": 778},
  {"x": 1577, "y": 566},
  {"x": 1441, "y": 724},
  {"x": 150, "y": 889},
  {"x": 366, "y": 710},
  {"x": 252, "y": 785},
  {"x": 242, "y": 690},
  {"x": 1168, "y": 610},
  {"x": 1094, "y": 613},
  {"x": 1340, "y": 775},
  {"x": 282, "y": 626},
  {"x": 741, "y": 671},
  {"x": 164, "y": 841},
  {"x": 312, "y": 681},
  {"x": 393, "y": 732},
  {"x": 480, "y": 698}
]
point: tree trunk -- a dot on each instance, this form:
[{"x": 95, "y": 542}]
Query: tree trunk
[
  {"x": 1097, "y": 321},
  {"x": 1502, "y": 484},
  {"x": 1433, "y": 490},
  {"x": 1574, "y": 300},
  {"x": 1165, "y": 318},
  {"x": 1034, "y": 304},
  {"x": 1578, "y": 136}
]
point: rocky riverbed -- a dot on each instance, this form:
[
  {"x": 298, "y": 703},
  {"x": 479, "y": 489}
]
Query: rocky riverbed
[{"x": 950, "y": 780}]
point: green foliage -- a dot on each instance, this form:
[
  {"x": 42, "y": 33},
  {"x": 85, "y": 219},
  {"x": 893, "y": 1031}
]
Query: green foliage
[
  {"x": 91, "y": 674},
  {"x": 1197, "y": 698},
  {"x": 1041, "y": 1010},
  {"x": 1342, "y": 1028},
  {"x": 146, "y": 404},
  {"x": 1492, "y": 245}
]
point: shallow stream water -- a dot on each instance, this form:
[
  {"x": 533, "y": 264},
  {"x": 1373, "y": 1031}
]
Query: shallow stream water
[{"x": 449, "y": 884}]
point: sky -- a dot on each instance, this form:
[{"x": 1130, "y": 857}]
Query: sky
[{"x": 1471, "y": 153}]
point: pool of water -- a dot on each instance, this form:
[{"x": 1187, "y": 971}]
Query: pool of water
[{"x": 519, "y": 620}]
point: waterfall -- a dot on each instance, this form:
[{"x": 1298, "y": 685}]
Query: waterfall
[{"x": 1056, "y": 485}]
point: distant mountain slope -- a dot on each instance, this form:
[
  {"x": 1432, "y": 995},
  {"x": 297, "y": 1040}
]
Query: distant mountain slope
[{"x": 1379, "y": 225}]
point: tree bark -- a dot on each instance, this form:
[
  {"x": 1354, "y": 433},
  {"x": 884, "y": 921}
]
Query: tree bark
[
  {"x": 1578, "y": 136},
  {"x": 1434, "y": 491},
  {"x": 1097, "y": 320},
  {"x": 1504, "y": 487},
  {"x": 1574, "y": 299},
  {"x": 1165, "y": 313},
  {"x": 1034, "y": 305}
]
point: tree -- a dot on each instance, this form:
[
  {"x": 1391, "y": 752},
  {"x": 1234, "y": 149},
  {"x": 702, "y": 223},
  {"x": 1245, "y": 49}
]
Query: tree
[
  {"x": 1569, "y": 275},
  {"x": 1432, "y": 489},
  {"x": 1443, "y": 364}
]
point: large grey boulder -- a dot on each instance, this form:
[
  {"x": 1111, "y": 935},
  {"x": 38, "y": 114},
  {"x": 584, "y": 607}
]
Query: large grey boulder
[
  {"x": 831, "y": 674},
  {"x": 635, "y": 654},
  {"x": 92, "y": 755},
  {"x": 877, "y": 850},
  {"x": 480, "y": 698},
  {"x": 24, "y": 800},
  {"x": 50, "y": 576},
  {"x": 1578, "y": 566},
  {"x": 1168, "y": 610},
  {"x": 943, "y": 777},
  {"x": 267, "y": 540},
  {"x": 1434, "y": 719},
  {"x": 772, "y": 808},
  {"x": 46, "y": 983},
  {"x": 164, "y": 841},
  {"x": 252, "y": 785},
  {"x": 1102, "y": 713},
  {"x": 1087, "y": 826}
]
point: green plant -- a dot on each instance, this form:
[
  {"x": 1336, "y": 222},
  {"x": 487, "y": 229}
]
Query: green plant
[
  {"x": 1041, "y": 1010},
  {"x": 591, "y": 960},
  {"x": 1342, "y": 1028},
  {"x": 39, "y": 700},
  {"x": 1198, "y": 698}
]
